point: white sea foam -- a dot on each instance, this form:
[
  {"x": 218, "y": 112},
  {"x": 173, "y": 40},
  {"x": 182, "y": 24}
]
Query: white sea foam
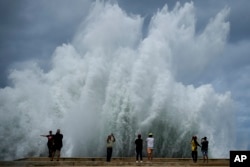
[{"x": 110, "y": 79}]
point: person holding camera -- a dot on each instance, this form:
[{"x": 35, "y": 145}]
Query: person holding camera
[{"x": 110, "y": 142}]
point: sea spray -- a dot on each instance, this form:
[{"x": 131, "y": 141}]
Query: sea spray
[{"x": 113, "y": 79}]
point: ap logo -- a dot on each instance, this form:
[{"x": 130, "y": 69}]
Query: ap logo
[{"x": 239, "y": 158}]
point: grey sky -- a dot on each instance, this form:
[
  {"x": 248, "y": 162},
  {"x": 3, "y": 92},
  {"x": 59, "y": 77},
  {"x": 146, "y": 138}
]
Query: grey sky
[{"x": 31, "y": 30}]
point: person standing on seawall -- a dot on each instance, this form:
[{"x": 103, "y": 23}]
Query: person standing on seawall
[
  {"x": 150, "y": 146},
  {"x": 58, "y": 145},
  {"x": 194, "y": 145},
  {"x": 110, "y": 142},
  {"x": 204, "y": 148},
  {"x": 50, "y": 142},
  {"x": 138, "y": 148}
]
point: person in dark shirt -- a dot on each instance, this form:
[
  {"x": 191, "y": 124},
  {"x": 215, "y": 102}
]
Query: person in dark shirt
[
  {"x": 139, "y": 147},
  {"x": 204, "y": 148},
  {"x": 50, "y": 142},
  {"x": 58, "y": 145}
]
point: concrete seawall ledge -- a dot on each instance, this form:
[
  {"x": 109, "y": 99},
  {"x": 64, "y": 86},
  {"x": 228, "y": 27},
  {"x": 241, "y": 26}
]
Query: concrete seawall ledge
[{"x": 116, "y": 161}]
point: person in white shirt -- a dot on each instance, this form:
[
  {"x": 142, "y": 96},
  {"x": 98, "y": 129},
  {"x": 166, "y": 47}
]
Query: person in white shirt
[
  {"x": 150, "y": 146},
  {"x": 110, "y": 142}
]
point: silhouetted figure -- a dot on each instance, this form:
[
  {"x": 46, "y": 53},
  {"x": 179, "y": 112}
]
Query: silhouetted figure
[
  {"x": 110, "y": 142},
  {"x": 50, "y": 142},
  {"x": 150, "y": 146},
  {"x": 204, "y": 148},
  {"x": 138, "y": 148},
  {"x": 58, "y": 145},
  {"x": 194, "y": 145}
]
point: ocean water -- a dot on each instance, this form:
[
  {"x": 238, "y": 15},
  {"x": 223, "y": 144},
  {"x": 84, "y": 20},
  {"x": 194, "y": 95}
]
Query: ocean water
[{"x": 115, "y": 78}]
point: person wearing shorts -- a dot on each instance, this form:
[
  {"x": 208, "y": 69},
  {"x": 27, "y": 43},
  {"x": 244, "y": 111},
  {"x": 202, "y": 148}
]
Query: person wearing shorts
[
  {"x": 204, "y": 149},
  {"x": 150, "y": 146}
]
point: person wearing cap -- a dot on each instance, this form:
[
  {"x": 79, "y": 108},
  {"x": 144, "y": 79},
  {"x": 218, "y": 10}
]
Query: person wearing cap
[
  {"x": 138, "y": 148},
  {"x": 204, "y": 148},
  {"x": 194, "y": 145},
  {"x": 50, "y": 142},
  {"x": 150, "y": 146}
]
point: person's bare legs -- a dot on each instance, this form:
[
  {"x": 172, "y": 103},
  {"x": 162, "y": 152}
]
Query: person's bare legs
[
  {"x": 148, "y": 152},
  {"x": 151, "y": 155}
]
